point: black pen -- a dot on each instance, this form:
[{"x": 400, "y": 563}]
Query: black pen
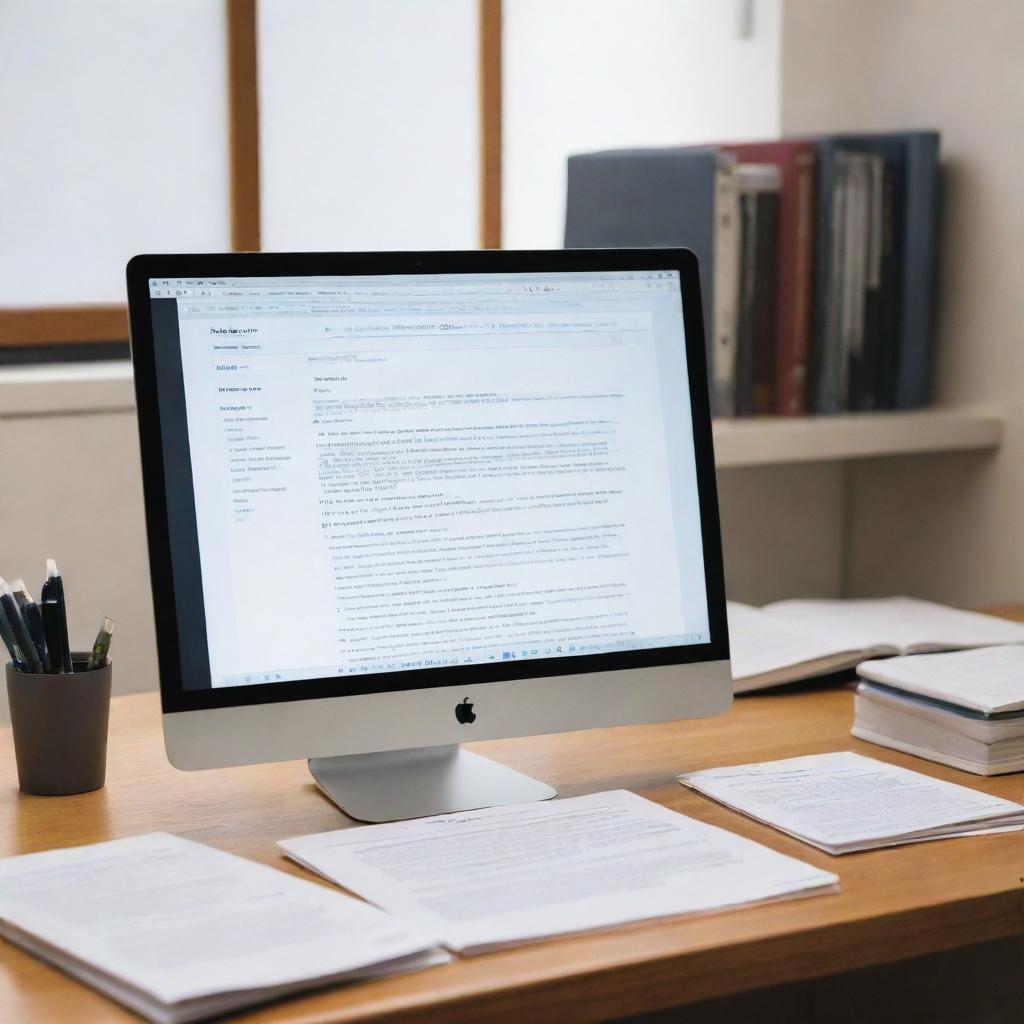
[
  {"x": 55, "y": 619},
  {"x": 19, "y": 629},
  {"x": 9, "y": 642},
  {"x": 33, "y": 620}
]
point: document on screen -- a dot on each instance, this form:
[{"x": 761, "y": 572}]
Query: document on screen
[
  {"x": 506, "y": 875},
  {"x": 448, "y": 487}
]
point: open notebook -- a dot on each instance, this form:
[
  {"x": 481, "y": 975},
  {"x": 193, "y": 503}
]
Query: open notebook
[{"x": 800, "y": 639}]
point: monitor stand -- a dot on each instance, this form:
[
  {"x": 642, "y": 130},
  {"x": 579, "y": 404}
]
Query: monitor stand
[{"x": 397, "y": 784}]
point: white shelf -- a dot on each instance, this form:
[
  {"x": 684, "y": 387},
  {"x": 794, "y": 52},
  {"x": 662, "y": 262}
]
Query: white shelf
[
  {"x": 773, "y": 440},
  {"x": 107, "y": 387},
  {"x": 66, "y": 388}
]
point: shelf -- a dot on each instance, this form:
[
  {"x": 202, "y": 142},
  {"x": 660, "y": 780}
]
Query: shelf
[
  {"x": 66, "y": 389},
  {"x": 774, "y": 440},
  {"x": 82, "y": 388}
]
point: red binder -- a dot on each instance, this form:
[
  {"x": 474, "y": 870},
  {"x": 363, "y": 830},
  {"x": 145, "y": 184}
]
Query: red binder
[{"x": 796, "y": 162}]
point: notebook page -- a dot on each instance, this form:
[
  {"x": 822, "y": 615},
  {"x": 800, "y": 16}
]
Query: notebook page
[
  {"x": 899, "y": 622},
  {"x": 989, "y": 679},
  {"x": 761, "y": 643}
]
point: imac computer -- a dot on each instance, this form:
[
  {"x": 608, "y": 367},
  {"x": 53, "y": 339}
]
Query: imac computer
[{"x": 398, "y": 501}]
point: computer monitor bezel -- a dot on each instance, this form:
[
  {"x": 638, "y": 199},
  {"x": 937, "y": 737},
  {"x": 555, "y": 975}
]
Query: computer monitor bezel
[{"x": 175, "y": 697}]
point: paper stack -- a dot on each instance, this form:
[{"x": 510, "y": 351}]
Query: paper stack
[
  {"x": 492, "y": 878},
  {"x": 844, "y": 802},
  {"x": 964, "y": 709},
  {"x": 177, "y": 931}
]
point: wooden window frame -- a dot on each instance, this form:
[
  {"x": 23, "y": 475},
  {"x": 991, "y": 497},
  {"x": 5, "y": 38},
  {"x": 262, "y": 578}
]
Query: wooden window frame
[
  {"x": 54, "y": 325},
  {"x": 490, "y": 64}
]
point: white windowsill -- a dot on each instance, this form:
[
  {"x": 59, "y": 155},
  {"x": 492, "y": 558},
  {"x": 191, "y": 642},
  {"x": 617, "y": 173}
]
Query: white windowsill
[{"x": 77, "y": 388}]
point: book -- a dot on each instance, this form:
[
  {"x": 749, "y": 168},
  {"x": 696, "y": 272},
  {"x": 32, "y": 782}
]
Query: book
[
  {"x": 758, "y": 187},
  {"x": 177, "y": 931},
  {"x": 988, "y": 682},
  {"x": 880, "y": 287},
  {"x": 855, "y": 260},
  {"x": 892, "y": 367},
  {"x": 653, "y": 197},
  {"x": 825, "y": 389},
  {"x": 843, "y": 802},
  {"x": 501, "y": 876},
  {"x": 984, "y": 745},
  {"x": 726, "y": 289},
  {"x": 920, "y": 249},
  {"x": 796, "y": 162},
  {"x": 792, "y": 640},
  {"x": 853, "y": 276},
  {"x": 964, "y": 709}
]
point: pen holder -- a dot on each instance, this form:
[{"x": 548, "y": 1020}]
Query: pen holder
[{"x": 60, "y": 728}]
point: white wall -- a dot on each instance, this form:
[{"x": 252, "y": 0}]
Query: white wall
[
  {"x": 581, "y": 75},
  {"x": 950, "y": 527},
  {"x": 74, "y": 493},
  {"x": 112, "y": 126},
  {"x": 369, "y": 134}
]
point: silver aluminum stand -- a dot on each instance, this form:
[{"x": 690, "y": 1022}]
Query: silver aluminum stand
[{"x": 398, "y": 784}]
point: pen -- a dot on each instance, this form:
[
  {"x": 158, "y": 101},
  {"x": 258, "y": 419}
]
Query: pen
[
  {"x": 51, "y": 631},
  {"x": 33, "y": 620},
  {"x": 55, "y": 619},
  {"x": 21, "y": 634},
  {"x": 102, "y": 645},
  {"x": 9, "y": 642}
]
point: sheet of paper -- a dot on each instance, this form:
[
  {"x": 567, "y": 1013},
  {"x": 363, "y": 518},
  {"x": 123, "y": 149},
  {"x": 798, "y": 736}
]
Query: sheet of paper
[
  {"x": 760, "y": 643},
  {"x": 990, "y": 679},
  {"x": 844, "y": 801},
  {"x": 178, "y": 920},
  {"x": 900, "y": 622},
  {"x": 504, "y": 875}
]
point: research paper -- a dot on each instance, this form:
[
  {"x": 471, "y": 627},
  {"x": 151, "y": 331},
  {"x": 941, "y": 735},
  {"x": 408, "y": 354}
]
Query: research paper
[
  {"x": 843, "y": 802},
  {"x": 505, "y": 875},
  {"x": 158, "y": 922}
]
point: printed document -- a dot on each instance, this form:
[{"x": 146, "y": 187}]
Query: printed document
[
  {"x": 505, "y": 875},
  {"x": 843, "y": 802},
  {"x": 177, "y": 931}
]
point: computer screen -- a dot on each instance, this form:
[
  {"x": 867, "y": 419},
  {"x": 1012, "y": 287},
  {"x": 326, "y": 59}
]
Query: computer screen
[{"x": 371, "y": 476}]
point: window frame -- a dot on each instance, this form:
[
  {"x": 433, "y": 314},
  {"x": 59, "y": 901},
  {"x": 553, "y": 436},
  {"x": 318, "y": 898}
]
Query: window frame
[{"x": 37, "y": 326}]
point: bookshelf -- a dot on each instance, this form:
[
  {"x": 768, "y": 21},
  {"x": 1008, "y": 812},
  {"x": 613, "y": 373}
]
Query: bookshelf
[
  {"x": 107, "y": 388},
  {"x": 947, "y": 527},
  {"x": 776, "y": 440}
]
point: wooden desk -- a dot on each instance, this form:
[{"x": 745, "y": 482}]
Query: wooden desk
[{"x": 894, "y": 904}]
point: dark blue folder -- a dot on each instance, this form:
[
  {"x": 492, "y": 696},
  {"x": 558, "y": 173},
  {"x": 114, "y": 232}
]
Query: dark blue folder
[{"x": 646, "y": 197}]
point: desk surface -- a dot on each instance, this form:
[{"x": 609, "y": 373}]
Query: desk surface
[{"x": 895, "y": 903}]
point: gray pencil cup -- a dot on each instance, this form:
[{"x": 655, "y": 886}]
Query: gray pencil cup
[{"x": 60, "y": 728}]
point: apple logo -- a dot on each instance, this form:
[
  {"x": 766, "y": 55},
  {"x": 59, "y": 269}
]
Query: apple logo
[{"x": 464, "y": 713}]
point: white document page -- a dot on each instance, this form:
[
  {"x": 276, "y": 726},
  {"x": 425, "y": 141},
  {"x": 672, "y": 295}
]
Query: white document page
[
  {"x": 462, "y": 479},
  {"x": 760, "y": 644},
  {"x": 903, "y": 623},
  {"x": 990, "y": 680},
  {"x": 506, "y": 875},
  {"x": 842, "y": 802},
  {"x": 174, "y": 920}
]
